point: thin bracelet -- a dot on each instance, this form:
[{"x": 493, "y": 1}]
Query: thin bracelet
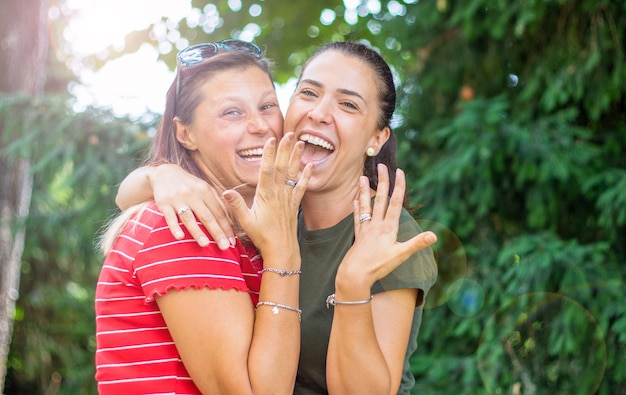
[
  {"x": 330, "y": 300},
  {"x": 282, "y": 272},
  {"x": 276, "y": 306}
]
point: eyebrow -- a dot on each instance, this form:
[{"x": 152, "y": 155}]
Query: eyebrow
[{"x": 340, "y": 90}]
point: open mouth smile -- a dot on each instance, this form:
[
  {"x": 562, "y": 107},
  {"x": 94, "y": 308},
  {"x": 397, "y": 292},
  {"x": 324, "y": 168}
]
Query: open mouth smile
[{"x": 253, "y": 154}]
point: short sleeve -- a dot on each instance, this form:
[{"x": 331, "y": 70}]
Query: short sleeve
[
  {"x": 419, "y": 271},
  {"x": 165, "y": 263}
]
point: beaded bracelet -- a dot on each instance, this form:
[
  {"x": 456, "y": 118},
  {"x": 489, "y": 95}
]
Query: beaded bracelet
[
  {"x": 330, "y": 300},
  {"x": 282, "y": 272},
  {"x": 276, "y": 306}
]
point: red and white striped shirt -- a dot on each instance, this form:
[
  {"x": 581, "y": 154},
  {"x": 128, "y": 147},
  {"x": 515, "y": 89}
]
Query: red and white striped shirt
[{"x": 135, "y": 352}]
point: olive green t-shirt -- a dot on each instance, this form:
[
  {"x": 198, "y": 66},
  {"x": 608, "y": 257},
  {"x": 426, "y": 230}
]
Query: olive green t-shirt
[{"x": 322, "y": 251}]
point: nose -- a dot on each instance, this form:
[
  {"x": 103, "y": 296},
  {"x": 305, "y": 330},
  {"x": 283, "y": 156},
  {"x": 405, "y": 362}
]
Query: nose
[
  {"x": 320, "y": 113},
  {"x": 257, "y": 124}
]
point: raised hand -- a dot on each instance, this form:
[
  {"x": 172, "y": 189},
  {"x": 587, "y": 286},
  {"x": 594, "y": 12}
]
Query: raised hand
[
  {"x": 376, "y": 251},
  {"x": 271, "y": 221}
]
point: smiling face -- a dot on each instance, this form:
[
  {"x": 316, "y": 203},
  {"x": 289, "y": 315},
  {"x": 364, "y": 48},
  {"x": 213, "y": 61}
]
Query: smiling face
[
  {"x": 335, "y": 110},
  {"x": 238, "y": 113}
]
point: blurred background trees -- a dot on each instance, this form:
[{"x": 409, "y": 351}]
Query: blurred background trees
[{"x": 511, "y": 123}]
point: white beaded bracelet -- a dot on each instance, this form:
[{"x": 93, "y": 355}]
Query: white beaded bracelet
[
  {"x": 330, "y": 300},
  {"x": 276, "y": 306},
  {"x": 282, "y": 272}
]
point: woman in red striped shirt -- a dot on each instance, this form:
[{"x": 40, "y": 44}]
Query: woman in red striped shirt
[{"x": 176, "y": 318}]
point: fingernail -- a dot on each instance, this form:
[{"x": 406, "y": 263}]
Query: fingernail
[
  {"x": 223, "y": 243},
  {"x": 430, "y": 238},
  {"x": 233, "y": 241},
  {"x": 179, "y": 234}
]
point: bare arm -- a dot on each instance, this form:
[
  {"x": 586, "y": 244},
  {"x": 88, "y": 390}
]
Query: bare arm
[
  {"x": 227, "y": 347},
  {"x": 368, "y": 341},
  {"x": 172, "y": 188}
]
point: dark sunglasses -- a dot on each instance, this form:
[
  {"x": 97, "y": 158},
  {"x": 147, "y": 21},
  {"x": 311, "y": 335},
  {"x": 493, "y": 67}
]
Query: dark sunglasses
[{"x": 198, "y": 53}]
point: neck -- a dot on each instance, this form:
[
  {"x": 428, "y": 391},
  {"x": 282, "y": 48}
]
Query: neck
[{"x": 324, "y": 209}]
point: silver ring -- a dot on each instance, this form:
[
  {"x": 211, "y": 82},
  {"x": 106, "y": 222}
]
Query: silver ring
[
  {"x": 364, "y": 217},
  {"x": 182, "y": 210},
  {"x": 291, "y": 183}
]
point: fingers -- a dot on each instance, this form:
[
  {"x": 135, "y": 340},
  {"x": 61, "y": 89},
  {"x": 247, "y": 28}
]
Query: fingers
[
  {"x": 267, "y": 164},
  {"x": 189, "y": 221},
  {"x": 175, "y": 189},
  {"x": 283, "y": 156},
  {"x": 300, "y": 187},
  {"x": 210, "y": 212},
  {"x": 418, "y": 242},
  {"x": 171, "y": 218},
  {"x": 214, "y": 217},
  {"x": 362, "y": 206},
  {"x": 397, "y": 197},
  {"x": 177, "y": 213},
  {"x": 281, "y": 165},
  {"x": 382, "y": 192},
  {"x": 238, "y": 205}
]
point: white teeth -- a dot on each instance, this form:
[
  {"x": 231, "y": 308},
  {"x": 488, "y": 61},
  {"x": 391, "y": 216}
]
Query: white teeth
[
  {"x": 317, "y": 141},
  {"x": 250, "y": 153}
]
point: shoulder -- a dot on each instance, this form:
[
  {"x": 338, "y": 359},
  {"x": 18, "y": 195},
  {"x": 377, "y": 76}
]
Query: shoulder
[{"x": 420, "y": 269}]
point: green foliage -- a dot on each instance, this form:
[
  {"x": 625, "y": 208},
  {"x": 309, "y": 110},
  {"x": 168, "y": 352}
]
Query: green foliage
[
  {"x": 512, "y": 133},
  {"x": 78, "y": 160},
  {"x": 511, "y": 123}
]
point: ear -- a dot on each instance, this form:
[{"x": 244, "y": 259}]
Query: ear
[
  {"x": 379, "y": 139},
  {"x": 184, "y": 136}
]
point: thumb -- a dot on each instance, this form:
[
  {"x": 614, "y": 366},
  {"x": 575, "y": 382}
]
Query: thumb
[{"x": 420, "y": 242}]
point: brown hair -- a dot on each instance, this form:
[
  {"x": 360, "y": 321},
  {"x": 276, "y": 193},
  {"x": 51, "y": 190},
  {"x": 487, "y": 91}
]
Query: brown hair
[
  {"x": 386, "y": 103},
  {"x": 165, "y": 148}
]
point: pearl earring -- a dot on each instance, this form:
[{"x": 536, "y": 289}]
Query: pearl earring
[{"x": 370, "y": 151}]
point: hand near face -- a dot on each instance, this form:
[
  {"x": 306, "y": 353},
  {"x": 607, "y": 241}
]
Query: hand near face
[
  {"x": 271, "y": 221},
  {"x": 376, "y": 251}
]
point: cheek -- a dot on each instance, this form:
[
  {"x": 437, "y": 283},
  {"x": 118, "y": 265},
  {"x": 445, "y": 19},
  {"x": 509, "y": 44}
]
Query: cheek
[
  {"x": 294, "y": 114},
  {"x": 277, "y": 124}
]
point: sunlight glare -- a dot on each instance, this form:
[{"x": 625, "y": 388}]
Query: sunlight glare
[
  {"x": 101, "y": 23},
  {"x": 131, "y": 84}
]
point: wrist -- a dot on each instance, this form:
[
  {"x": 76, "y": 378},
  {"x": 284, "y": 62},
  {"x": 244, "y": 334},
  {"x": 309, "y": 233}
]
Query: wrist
[
  {"x": 353, "y": 281},
  {"x": 280, "y": 262}
]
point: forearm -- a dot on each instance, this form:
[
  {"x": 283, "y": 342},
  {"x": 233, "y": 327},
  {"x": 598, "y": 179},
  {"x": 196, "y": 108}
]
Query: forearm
[
  {"x": 355, "y": 360},
  {"x": 275, "y": 346},
  {"x": 135, "y": 188},
  {"x": 368, "y": 340}
]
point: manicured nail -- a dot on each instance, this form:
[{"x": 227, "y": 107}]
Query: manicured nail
[
  {"x": 233, "y": 241},
  {"x": 223, "y": 243},
  {"x": 179, "y": 234}
]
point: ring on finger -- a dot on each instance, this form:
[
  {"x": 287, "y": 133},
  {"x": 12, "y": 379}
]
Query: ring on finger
[
  {"x": 291, "y": 183},
  {"x": 364, "y": 217},
  {"x": 182, "y": 210}
]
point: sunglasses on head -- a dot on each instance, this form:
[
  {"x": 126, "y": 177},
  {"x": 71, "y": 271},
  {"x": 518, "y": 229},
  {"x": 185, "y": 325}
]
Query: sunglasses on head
[{"x": 198, "y": 53}]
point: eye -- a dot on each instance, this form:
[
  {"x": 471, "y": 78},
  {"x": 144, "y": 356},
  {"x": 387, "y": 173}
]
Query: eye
[
  {"x": 350, "y": 105},
  {"x": 232, "y": 112},
  {"x": 308, "y": 92},
  {"x": 268, "y": 106}
]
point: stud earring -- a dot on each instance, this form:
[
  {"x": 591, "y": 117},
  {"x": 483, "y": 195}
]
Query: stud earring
[{"x": 370, "y": 151}]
